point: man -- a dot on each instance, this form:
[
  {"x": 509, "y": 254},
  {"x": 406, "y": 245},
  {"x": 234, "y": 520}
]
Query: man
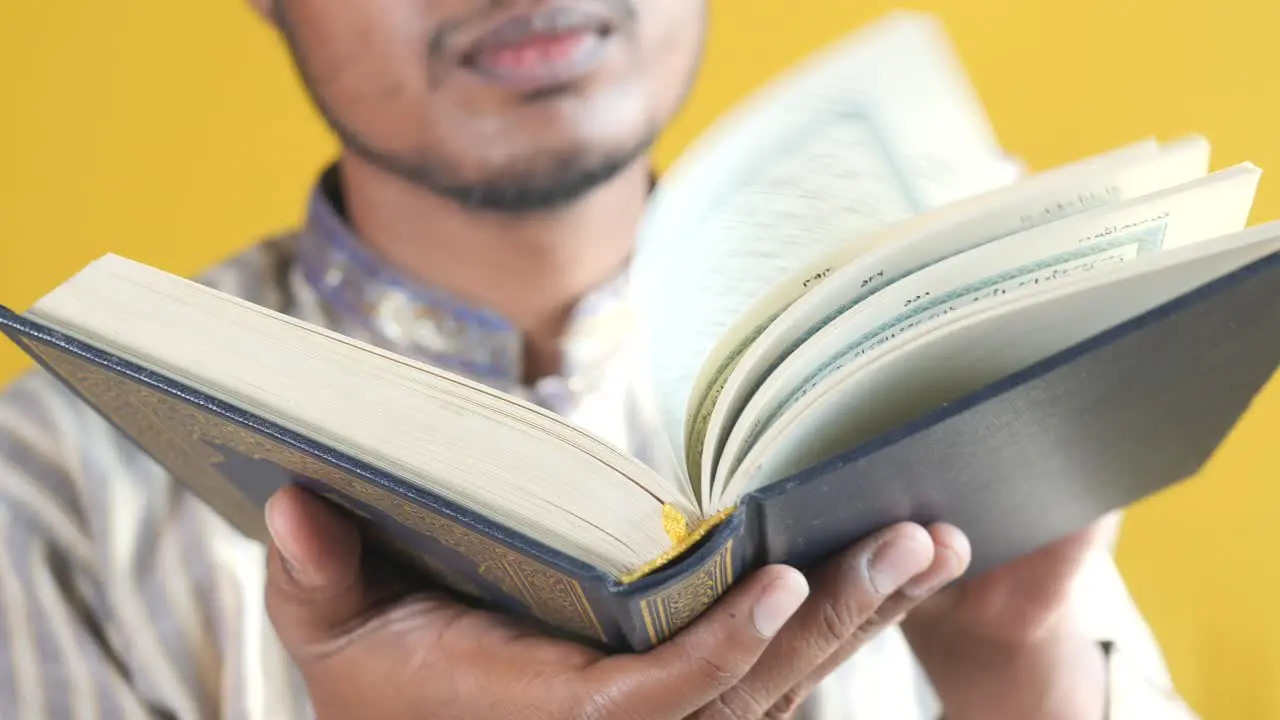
[{"x": 482, "y": 216}]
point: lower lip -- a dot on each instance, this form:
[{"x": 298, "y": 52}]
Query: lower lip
[{"x": 541, "y": 62}]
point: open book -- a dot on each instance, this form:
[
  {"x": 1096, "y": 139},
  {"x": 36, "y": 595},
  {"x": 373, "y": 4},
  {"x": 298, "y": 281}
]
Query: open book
[{"x": 850, "y": 315}]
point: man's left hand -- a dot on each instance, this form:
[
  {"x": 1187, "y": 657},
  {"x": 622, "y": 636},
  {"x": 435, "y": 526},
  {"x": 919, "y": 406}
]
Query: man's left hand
[{"x": 1005, "y": 644}]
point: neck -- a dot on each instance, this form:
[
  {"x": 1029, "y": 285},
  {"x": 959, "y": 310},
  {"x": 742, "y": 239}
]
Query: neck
[{"x": 532, "y": 269}]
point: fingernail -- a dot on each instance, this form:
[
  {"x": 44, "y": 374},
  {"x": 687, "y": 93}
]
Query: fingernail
[
  {"x": 779, "y": 602},
  {"x": 291, "y": 566},
  {"x": 894, "y": 563}
]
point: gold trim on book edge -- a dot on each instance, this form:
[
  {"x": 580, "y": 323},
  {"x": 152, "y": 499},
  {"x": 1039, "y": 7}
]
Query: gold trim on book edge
[
  {"x": 688, "y": 541},
  {"x": 674, "y": 523},
  {"x": 667, "y": 612},
  {"x": 184, "y": 438}
]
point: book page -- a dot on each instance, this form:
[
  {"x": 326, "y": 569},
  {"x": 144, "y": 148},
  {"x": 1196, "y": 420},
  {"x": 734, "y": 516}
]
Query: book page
[
  {"x": 867, "y": 132},
  {"x": 914, "y": 374},
  {"x": 853, "y": 274},
  {"x": 1211, "y": 206}
]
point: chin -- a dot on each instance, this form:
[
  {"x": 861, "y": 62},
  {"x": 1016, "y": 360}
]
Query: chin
[
  {"x": 556, "y": 167},
  {"x": 565, "y": 149},
  {"x": 544, "y": 178}
]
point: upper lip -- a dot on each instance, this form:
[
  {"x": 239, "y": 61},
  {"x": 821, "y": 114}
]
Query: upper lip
[{"x": 513, "y": 26}]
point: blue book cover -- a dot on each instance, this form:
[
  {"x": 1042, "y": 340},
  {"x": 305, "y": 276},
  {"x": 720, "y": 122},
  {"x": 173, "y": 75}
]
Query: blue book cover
[{"x": 1041, "y": 453}]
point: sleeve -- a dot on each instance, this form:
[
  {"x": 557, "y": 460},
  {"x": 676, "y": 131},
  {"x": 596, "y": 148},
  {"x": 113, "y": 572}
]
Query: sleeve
[
  {"x": 1139, "y": 684},
  {"x": 98, "y": 610}
]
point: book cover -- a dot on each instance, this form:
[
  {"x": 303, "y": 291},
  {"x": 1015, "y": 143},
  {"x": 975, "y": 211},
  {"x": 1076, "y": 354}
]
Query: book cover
[
  {"x": 235, "y": 460},
  {"x": 1016, "y": 464}
]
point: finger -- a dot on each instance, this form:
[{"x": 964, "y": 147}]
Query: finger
[
  {"x": 706, "y": 658},
  {"x": 314, "y": 586},
  {"x": 1040, "y": 579},
  {"x": 951, "y": 558},
  {"x": 846, "y": 606},
  {"x": 952, "y": 555}
]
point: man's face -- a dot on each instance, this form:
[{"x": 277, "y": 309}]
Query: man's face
[{"x": 502, "y": 104}]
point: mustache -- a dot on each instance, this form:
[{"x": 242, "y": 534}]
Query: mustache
[{"x": 454, "y": 33}]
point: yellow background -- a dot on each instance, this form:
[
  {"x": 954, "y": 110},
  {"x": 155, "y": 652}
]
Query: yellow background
[{"x": 174, "y": 132}]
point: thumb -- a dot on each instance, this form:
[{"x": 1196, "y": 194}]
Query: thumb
[
  {"x": 704, "y": 660},
  {"x": 314, "y": 586}
]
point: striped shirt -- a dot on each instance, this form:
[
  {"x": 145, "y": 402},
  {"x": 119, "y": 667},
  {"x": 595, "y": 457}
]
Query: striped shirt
[{"x": 122, "y": 596}]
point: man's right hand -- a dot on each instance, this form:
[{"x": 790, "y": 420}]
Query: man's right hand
[{"x": 757, "y": 653}]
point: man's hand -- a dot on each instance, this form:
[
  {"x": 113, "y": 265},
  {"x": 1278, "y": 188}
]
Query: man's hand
[
  {"x": 1003, "y": 645},
  {"x": 757, "y": 653}
]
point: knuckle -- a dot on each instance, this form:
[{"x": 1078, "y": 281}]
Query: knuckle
[
  {"x": 787, "y": 705},
  {"x": 740, "y": 701},
  {"x": 886, "y": 615},
  {"x": 837, "y": 621},
  {"x": 271, "y": 603},
  {"x": 721, "y": 709},
  {"x": 714, "y": 710},
  {"x": 847, "y": 601},
  {"x": 711, "y": 669},
  {"x": 601, "y": 706},
  {"x": 714, "y": 671},
  {"x": 280, "y": 614}
]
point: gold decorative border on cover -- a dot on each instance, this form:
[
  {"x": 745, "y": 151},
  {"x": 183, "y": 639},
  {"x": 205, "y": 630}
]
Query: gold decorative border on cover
[
  {"x": 184, "y": 438},
  {"x": 137, "y": 413},
  {"x": 667, "y": 612}
]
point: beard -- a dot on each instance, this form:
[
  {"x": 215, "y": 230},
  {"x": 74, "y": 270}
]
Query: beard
[{"x": 544, "y": 184}]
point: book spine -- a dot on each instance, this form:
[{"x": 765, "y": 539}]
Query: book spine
[{"x": 651, "y": 611}]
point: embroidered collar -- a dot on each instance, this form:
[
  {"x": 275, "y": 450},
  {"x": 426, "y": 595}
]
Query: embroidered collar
[{"x": 367, "y": 298}]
